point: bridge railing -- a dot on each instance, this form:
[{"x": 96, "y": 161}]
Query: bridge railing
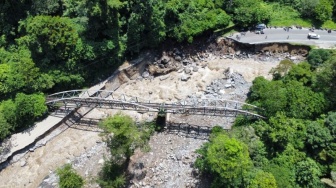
[{"x": 112, "y": 99}]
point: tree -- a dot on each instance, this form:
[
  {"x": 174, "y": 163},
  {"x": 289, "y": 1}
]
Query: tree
[
  {"x": 51, "y": 39},
  {"x": 301, "y": 73},
  {"x": 302, "y": 102},
  {"x": 227, "y": 159},
  {"x": 8, "y": 109},
  {"x": 282, "y": 69},
  {"x": 288, "y": 95},
  {"x": 125, "y": 136},
  {"x": 256, "y": 147},
  {"x": 145, "y": 21},
  {"x": 188, "y": 19},
  {"x": 28, "y": 108},
  {"x": 46, "y": 7},
  {"x": 325, "y": 81},
  {"x": 330, "y": 123},
  {"x": 263, "y": 180},
  {"x": 68, "y": 178},
  {"x": 281, "y": 131},
  {"x": 284, "y": 175},
  {"x": 318, "y": 137},
  {"x": 317, "y": 57},
  {"x": 308, "y": 173},
  {"x": 307, "y": 7},
  {"x": 5, "y": 127},
  {"x": 250, "y": 12},
  {"x": 18, "y": 73},
  {"x": 12, "y": 11},
  {"x": 283, "y": 166},
  {"x": 112, "y": 175},
  {"x": 323, "y": 10},
  {"x": 270, "y": 96}
]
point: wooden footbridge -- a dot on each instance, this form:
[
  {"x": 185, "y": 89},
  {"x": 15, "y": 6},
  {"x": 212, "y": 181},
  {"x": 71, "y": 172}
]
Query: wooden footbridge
[{"x": 113, "y": 100}]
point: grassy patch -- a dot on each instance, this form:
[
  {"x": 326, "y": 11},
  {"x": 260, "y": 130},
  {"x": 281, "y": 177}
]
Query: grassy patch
[
  {"x": 227, "y": 30},
  {"x": 68, "y": 177},
  {"x": 286, "y": 16},
  {"x": 329, "y": 24}
]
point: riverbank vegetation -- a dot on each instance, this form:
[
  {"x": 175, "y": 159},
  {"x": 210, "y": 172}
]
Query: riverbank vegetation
[
  {"x": 123, "y": 136},
  {"x": 55, "y": 45},
  {"x": 295, "y": 145},
  {"x": 68, "y": 177}
]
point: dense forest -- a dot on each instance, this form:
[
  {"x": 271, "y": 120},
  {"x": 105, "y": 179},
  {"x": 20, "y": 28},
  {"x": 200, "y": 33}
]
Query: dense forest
[
  {"x": 295, "y": 145},
  {"x": 53, "y": 45}
]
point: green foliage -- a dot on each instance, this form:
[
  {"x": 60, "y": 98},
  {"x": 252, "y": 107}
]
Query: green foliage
[
  {"x": 23, "y": 110},
  {"x": 330, "y": 123},
  {"x": 29, "y": 107},
  {"x": 112, "y": 175},
  {"x": 68, "y": 178},
  {"x": 123, "y": 136},
  {"x": 325, "y": 81},
  {"x": 283, "y": 166},
  {"x": 282, "y": 69},
  {"x": 307, "y": 7},
  {"x": 317, "y": 57},
  {"x": 191, "y": 18},
  {"x": 287, "y": 15},
  {"x": 8, "y": 109},
  {"x": 318, "y": 136},
  {"x": 19, "y": 73},
  {"x": 284, "y": 175},
  {"x": 226, "y": 158},
  {"x": 295, "y": 102},
  {"x": 303, "y": 102},
  {"x": 46, "y": 7},
  {"x": 51, "y": 39},
  {"x": 288, "y": 96},
  {"x": 12, "y": 11},
  {"x": 5, "y": 127},
  {"x": 307, "y": 173},
  {"x": 263, "y": 180},
  {"x": 281, "y": 131},
  {"x": 268, "y": 95},
  {"x": 301, "y": 73},
  {"x": 145, "y": 21},
  {"x": 323, "y": 10},
  {"x": 256, "y": 147},
  {"x": 250, "y": 12}
]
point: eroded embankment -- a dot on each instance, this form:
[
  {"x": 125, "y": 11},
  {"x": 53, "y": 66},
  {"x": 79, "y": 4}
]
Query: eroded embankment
[{"x": 275, "y": 48}]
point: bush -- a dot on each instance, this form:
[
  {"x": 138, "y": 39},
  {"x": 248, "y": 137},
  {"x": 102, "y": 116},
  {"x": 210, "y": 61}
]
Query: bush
[
  {"x": 127, "y": 136},
  {"x": 68, "y": 178},
  {"x": 318, "y": 56},
  {"x": 112, "y": 175}
]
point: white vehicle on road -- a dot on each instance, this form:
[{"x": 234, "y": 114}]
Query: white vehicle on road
[{"x": 313, "y": 36}]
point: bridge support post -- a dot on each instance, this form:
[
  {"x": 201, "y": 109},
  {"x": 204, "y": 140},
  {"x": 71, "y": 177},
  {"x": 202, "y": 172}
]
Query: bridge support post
[{"x": 161, "y": 120}]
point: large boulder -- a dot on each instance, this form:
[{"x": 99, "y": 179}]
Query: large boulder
[
  {"x": 178, "y": 58},
  {"x": 165, "y": 60},
  {"x": 185, "y": 77},
  {"x": 145, "y": 74},
  {"x": 187, "y": 70}
]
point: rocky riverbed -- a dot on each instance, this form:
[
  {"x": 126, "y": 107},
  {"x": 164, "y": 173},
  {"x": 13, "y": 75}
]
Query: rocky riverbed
[{"x": 212, "y": 71}]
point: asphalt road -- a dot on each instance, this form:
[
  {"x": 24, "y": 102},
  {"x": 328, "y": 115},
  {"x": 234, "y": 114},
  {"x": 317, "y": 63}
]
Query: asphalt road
[{"x": 299, "y": 36}]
